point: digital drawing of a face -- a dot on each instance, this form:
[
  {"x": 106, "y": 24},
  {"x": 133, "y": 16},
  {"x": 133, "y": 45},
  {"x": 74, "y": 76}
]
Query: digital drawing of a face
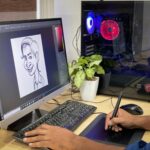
[{"x": 30, "y": 55}]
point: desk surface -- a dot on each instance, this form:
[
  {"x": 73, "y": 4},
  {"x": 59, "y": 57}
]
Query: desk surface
[{"x": 103, "y": 104}]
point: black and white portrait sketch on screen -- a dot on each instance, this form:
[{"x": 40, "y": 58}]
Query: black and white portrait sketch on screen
[{"x": 29, "y": 63}]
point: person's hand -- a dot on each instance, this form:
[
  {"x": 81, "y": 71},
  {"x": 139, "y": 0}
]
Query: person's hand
[
  {"x": 50, "y": 137},
  {"x": 123, "y": 119}
]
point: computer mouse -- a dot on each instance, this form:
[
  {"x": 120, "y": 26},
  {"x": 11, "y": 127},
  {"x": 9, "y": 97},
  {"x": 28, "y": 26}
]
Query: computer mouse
[{"x": 133, "y": 109}]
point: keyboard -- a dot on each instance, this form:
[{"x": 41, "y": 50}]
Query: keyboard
[
  {"x": 141, "y": 68},
  {"x": 144, "y": 81},
  {"x": 122, "y": 80},
  {"x": 67, "y": 115},
  {"x": 141, "y": 86}
]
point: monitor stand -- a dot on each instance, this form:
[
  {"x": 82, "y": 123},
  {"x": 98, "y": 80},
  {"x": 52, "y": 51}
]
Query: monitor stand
[{"x": 27, "y": 119}]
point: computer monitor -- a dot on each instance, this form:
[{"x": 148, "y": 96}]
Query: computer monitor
[{"x": 33, "y": 66}]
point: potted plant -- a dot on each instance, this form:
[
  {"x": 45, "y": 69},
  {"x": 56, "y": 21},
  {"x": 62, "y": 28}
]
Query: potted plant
[{"x": 82, "y": 73}]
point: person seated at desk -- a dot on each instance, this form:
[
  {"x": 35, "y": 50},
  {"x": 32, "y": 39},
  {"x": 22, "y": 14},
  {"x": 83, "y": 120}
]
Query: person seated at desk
[{"x": 58, "y": 138}]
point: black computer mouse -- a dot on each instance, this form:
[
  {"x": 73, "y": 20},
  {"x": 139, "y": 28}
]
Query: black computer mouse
[{"x": 133, "y": 109}]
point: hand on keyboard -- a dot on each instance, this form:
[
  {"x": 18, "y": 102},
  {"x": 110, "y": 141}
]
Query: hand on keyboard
[
  {"x": 68, "y": 115},
  {"x": 49, "y": 137}
]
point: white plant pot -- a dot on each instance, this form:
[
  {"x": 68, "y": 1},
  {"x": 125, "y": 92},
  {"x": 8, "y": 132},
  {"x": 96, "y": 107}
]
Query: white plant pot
[{"x": 88, "y": 89}]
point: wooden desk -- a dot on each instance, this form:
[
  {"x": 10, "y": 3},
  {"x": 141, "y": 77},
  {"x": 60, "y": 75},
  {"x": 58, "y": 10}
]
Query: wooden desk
[{"x": 8, "y": 143}]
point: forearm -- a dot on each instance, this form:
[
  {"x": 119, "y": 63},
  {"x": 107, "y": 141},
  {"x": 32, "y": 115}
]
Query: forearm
[
  {"x": 142, "y": 122},
  {"x": 84, "y": 143}
]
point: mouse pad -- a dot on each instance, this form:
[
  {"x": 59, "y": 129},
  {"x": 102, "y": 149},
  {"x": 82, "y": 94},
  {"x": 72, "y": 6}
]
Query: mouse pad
[{"x": 96, "y": 131}]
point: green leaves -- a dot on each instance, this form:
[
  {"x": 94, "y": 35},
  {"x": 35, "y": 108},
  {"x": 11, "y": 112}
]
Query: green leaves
[
  {"x": 85, "y": 68},
  {"x": 90, "y": 72},
  {"x": 100, "y": 70},
  {"x": 79, "y": 78}
]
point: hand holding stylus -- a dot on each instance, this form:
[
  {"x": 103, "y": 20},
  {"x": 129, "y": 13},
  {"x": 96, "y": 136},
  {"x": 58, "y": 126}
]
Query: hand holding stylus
[{"x": 114, "y": 114}]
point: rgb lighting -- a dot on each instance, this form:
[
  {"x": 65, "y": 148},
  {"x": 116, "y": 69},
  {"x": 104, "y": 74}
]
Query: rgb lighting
[
  {"x": 109, "y": 29},
  {"x": 90, "y": 22},
  {"x": 59, "y": 38},
  {"x": 98, "y": 21}
]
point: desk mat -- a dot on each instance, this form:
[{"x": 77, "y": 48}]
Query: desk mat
[{"x": 97, "y": 132}]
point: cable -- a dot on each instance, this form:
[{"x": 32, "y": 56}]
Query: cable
[
  {"x": 65, "y": 94},
  {"x": 97, "y": 102},
  {"x": 78, "y": 37},
  {"x": 116, "y": 91},
  {"x": 75, "y": 39},
  {"x": 98, "y": 112},
  {"x": 79, "y": 99},
  {"x": 57, "y": 103},
  {"x": 112, "y": 104},
  {"x": 103, "y": 112},
  {"x": 74, "y": 99},
  {"x": 52, "y": 103}
]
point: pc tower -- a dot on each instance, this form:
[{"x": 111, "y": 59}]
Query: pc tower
[{"x": 112, "y": 28}]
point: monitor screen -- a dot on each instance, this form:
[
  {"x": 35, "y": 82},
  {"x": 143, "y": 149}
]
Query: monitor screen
[{"x": 33, "y": 65}]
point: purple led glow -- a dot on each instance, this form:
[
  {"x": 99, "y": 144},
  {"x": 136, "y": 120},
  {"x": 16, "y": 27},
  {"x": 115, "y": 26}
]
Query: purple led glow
[
  {"x": 98, "y": 22},
  {"x": 90, "y": 22}
]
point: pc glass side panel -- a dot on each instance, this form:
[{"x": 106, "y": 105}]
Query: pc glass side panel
[
  {"x": 106, "y": 27},
  {"x": 120, "y": 32}
]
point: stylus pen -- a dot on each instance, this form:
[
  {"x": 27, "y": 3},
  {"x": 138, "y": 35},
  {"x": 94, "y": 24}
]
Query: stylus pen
[{"x": 116, "y": 107}]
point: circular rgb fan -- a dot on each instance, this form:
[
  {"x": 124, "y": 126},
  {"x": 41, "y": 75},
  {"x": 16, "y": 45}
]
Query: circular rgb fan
[
  {"x": 109, "y": 29},
  {"x": 90, "y": 22}
]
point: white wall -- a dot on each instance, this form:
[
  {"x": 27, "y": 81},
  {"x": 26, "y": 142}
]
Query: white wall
[
  {"x": 70, "y": 11},
  {"x": 45, "y": 8}
]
